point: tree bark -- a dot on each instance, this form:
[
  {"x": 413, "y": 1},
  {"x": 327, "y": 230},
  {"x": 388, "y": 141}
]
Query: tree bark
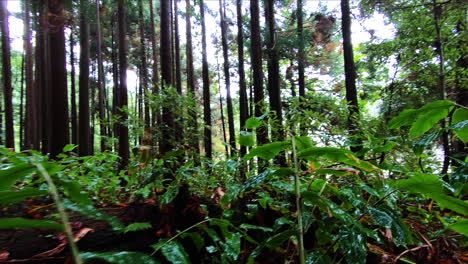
[
  {"x": 59, "y": 99},
  {"x": 167, "y": 141},
  {"x": 74, "y": 116},
  {"x": 256, "y": 55},
  {"x": 155, "y": 77},
  {"x": 6, "y": 70},
  {"x": 350, "y": 78},
  {"x": 227, "y": 77},
  {"x": 124, "y": 152},
  {"x": 206, "y": 89},
  {"x": 301, "y": 55},
  {"x": 243, "y": 104},
  {"x": 101, "y": 83},
  {"x": 193, "y": 124},
  {"x": 178, "y": 127},
  {"x": 84, "y": 135}
]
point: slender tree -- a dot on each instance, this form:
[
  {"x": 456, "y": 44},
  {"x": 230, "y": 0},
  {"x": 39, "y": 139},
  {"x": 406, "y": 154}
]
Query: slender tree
[
  {"x": 193, "y": 140},
  {"x": 6, "y": 70},
  {"x": 101, "y": 84},
  {"x": 243, "y": 104},
  {"x": 206, "y": 89},
  {"x": 73, "y": 115},
  {"x": 350, "y": 75},
  {"x": 155, "y": 72},
  {"x": 31, "y": 128},
  {"x": 143, "y": 66},
  {"x": 166, "y": 144},
  {"x": 273, "y": 73},
  {"x": 301, "y": 55},
  {"x": 256, "y": 56},
  {"x": 122, "y": 101},
  {"x": 227, "y": 77},
  {"x": 59, "y": 99},
  {"x": 84, "y": 135},
  {"x": 178, "y": 127}
]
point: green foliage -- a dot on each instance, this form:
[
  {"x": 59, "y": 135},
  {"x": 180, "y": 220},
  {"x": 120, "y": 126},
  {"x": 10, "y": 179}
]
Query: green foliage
[
  {"x": 121, "y": 257},
  {"x": 17, "y": 223}
]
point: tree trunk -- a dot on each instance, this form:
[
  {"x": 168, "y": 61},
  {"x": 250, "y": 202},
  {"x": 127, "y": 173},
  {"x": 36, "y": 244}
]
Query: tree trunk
[
  {"x": 6, "y": 70},
  {"x": 301, "y": 55},
  {"x": 21, "y": 108},
  {"x": 221, "y": 107},
  {"x": 74, "y": 116},
  {"x": 277, "y": 133},
  {"x": 124, "y": 151},
  {"x": 350, "y": 77},
  {"x": 115, "y": 75},
  {"x": 155, "y": 77},
  {"x": 193, "y": 137},
  {"x": 59, "y": 103},
  {"x": 84, "y": 135},
  {"x": 256, "y": 55},
  {"x": 178, "y": 127},
  {"x": 206, "y": 89},
  {"x": 243, "y": 105},
  {"x": 166, "y": 144},
  {"x": 101, "y": 83},
  {"x": 227, "y": 77}
]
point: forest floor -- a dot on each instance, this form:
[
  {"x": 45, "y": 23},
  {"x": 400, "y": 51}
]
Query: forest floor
[{"x": 49, "y": 247}]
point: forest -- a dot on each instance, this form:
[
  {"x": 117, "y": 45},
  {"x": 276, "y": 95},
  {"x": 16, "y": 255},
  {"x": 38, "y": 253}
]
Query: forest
[{"x": 233, "y": 131}]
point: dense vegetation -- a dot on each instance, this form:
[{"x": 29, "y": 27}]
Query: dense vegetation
[{"x": 273, "y": 140}]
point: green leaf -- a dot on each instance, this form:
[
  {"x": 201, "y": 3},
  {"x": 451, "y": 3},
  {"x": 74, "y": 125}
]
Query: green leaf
[
  {"x": 353, "y": 243},
  {"x": 17, "y": 223},
  {"x": 7, "y": 197},
  {"x": 381, "y": 218},
  {"x": 69, "y": 147},
  {"x": 461, "y": 116},
  {"x": 334, "y": 154},
  {"x": 258, "y": 179},
  {"x": 75, "y": 191},
  {"x": 405, "y": 118},
  {"x": 90, "y": 211},
  {"x": 451, "y": 203},
  {"x": 169, "y": 195},
  {"x": 304, "y": 142},
  {"x": 196, "y": 239},
  {"x": 267, "y": 151},
  {"x": 278, "y": 239},
  {"x": 253, "y": 123},
  {"x": 137, "y": 227},
  {"x": 13, "y": 173},
  {"x": 423, "y": 143},
  {"x": 426, "y": 121},
  {"x": 123, "y": 257},
  {"x": 246, "y": 139},
  {"x": 232, "y": 246},
  {"x": 248, "y": 226},
  {"x": 460, "y": 226},
  {"x": 175, "y": 253},
  {"x": 387, "y": 147}
]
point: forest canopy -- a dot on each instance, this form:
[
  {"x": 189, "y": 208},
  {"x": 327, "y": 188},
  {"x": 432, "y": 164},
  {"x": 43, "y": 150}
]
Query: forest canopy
[{"x": 233, "y": 131}]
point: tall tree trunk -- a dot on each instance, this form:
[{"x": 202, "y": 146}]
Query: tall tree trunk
[
  {"x": 277, "y": 133},
  {"x": 206, "y": 89},
  {"x": 6, "y": 70},
  {"x": 101, "y": 83},
  {"x": 243, "y": 104},
  {"x": 155, "y": 77},
  {"x": 74, "y": 116},
  {"x": 115, "y": 77},
  {"x": 221, "y": 107},
  {"x": 178, "y": 127},
  {"x": 227, "y": 77},
  {"x": 166, "y": 144},
  {"x": 84, "y": 135},
  {"x": 193, "y": 124},
  {"x": 21, "y": 108},
  {"x": 59, "y": 104},
  {"x": 256, "y": 55},
  {"x": 31, "y": 129},
  {"x": 350, "y": 77},
  {"x": 301, "y": 55},
  {"x": 143, "y": 64},
  {"x": 43, "y": 78},
  {"x": 124, "y": 151}
]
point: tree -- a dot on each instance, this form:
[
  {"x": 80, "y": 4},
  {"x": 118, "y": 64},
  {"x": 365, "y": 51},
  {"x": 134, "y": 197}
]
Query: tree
[
  {"x": 84, "y": 131},
  {"x": 6, "y": 70},
  {"x": 350, "y": 77},
  {"x": 243, "y": 105},
  {"x": 273, "y": 74},
  {"x": 58, "y": 79},
  {"x": 256, "y": 57},
  {"x": 206, "y": 89},
  {"x": 122, "y": 101},
  {"x": 166, "y": 144},
  {"x": 101, "y": 83},
  {"x": 193, "y": 124},
  {"x": 227, "y": 77},
  {"x": 73, "y": 114},
  {"x": 301, "y": 55},
  {"x": 155, "y": 72}
]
